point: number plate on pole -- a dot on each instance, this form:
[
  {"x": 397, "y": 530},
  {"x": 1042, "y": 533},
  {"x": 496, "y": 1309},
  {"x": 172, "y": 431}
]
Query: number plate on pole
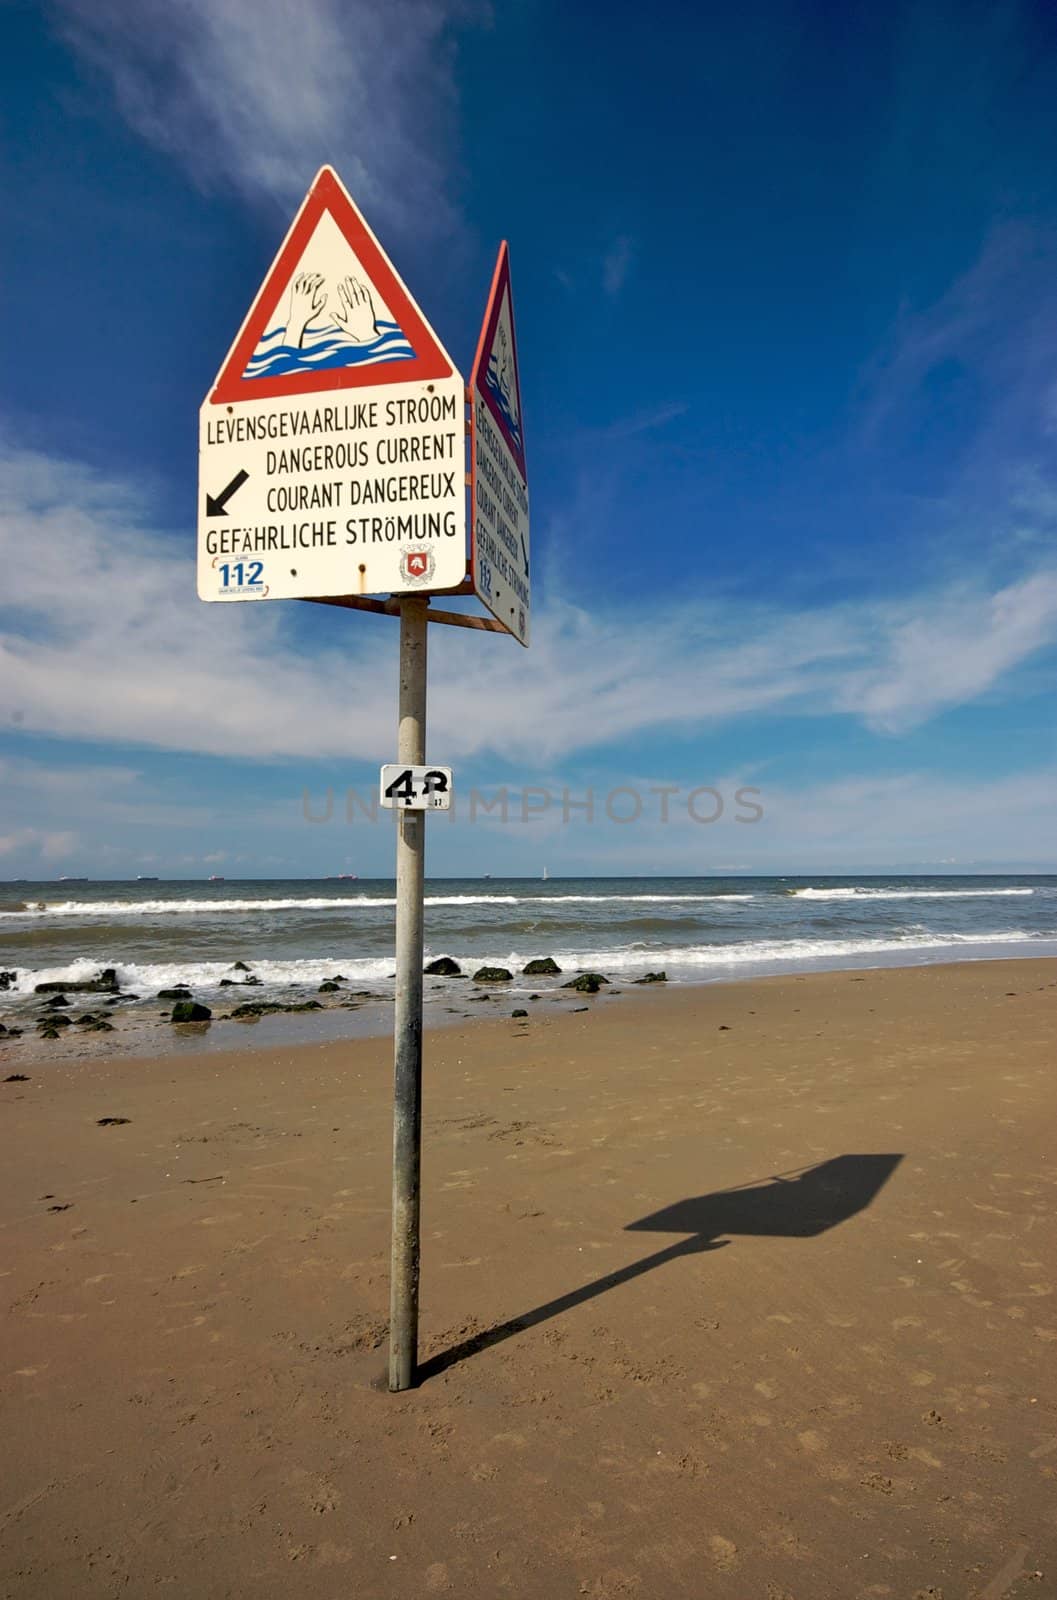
[{"x": 416, "y": 788}]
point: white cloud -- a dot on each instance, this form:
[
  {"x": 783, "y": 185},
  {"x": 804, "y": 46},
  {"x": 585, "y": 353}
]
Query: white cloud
[
  {"x": 260, "y": 94},
  {"x": 120, "y": 649},
  {"x": 996, "y": 321},
  {"x": 905, "y": 820},
  {"x": 969, "y": 822},
  {"x": 129, "y": 821},
  {"x": 38, "y": 844},
  {"x": 953, "y": 651},
  {"x": 126, "y": 823},
  {"x": 102, "y": 638},
  {"x": 46, "y": 795}
]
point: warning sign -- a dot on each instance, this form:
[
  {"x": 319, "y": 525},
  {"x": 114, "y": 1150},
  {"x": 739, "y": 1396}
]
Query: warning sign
[
  {"x": 500, "y": 509},
  {"x": 331, "y": 453}
]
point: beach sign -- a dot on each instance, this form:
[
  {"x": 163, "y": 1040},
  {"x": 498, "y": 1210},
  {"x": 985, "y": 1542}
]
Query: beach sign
[
  {"x": 332, "y": 444},
  {"x": 415, "y": 788},
  {"x": 499, "y": 514},
  {"x": 332, "y": 468}
]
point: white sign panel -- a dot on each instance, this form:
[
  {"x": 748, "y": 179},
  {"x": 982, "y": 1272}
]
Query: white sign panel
[
  {"x": 500, "y": 509},
  {"x": 331, "y": 449},
  {"x": 416, "y": 788}
]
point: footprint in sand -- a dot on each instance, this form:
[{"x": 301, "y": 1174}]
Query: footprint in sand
[{"x": 724, "y": 1552}]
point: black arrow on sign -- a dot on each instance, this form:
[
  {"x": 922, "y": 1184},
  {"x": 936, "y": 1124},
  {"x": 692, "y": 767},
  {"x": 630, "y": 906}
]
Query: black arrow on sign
[
  {"x": 524, "y": 555},
  {"x": 216, "y": 505}
]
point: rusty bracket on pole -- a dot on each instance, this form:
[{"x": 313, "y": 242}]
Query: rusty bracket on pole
[{"x": 391, "y": 608}]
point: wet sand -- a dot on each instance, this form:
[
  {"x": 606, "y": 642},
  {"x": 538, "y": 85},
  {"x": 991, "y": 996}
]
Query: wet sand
[{"x": 740, "y": 1291}]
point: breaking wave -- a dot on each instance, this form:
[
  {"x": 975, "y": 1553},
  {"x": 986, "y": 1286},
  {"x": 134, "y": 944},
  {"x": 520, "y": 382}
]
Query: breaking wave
[
  {"x": 903, "y": 894},
  {"x": 145, "y": 978},
  {"x": 117, "y": 909}
]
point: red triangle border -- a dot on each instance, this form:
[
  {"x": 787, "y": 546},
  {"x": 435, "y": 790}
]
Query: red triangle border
[
  {"x": 500, "y": 282},
  {"x": 430, "y": 361}
]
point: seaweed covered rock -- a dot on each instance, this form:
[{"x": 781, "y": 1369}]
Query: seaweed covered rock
[
  {"x": 443, "y": 967},
  {"x": 653, "y": 977},
  {"x": 492, "y": 975},
  {"x": 180, "y": 992},
  {"x": 190, "y": 1011},
  {"x": 586, "y": 983},
  {"x": 106, "y": 983},
  {"x": 542, "y": 967},
  {"x": 261, "y": 1008}
]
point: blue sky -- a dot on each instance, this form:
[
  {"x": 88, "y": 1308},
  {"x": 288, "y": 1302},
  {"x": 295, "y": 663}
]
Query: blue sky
[{"x": 787, "y": 319}]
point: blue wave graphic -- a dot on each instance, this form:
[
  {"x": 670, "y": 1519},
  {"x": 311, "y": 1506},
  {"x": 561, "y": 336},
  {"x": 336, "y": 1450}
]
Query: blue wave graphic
[
  {"x": 513, "y": 423},
  {"x": 324, "y": 348}
]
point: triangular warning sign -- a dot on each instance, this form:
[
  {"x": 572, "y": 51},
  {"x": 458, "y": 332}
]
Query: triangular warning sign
[
  {"x": 332, "y": 313},
  {"x": 496, "y": 375}
]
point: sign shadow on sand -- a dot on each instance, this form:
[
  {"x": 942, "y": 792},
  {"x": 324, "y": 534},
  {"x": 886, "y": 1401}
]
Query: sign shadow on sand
[{"x": 795, "y": 1205}]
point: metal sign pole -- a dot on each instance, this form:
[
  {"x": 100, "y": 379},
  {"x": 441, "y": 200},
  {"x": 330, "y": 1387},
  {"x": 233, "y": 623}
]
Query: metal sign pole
[{"x": 407, "y": 1022}]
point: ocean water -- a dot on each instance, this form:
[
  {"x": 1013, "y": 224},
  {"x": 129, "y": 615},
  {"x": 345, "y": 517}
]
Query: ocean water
[
  {"x": 497, "y": 388},
  {"x": 295, "y": 933},
  {"x": 323, "y": 348}
]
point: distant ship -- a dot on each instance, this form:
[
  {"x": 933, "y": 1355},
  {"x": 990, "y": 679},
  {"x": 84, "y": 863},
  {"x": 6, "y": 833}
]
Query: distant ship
[
  {"x": 73, "y": 880},
  {"x": 214, "y": 877},
  {"x": 342, "y": 877},
  {"x": 143, "y": 877},
  {"x": 546, "y": 873}
]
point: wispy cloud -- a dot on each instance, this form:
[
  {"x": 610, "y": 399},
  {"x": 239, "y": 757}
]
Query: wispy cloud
[
  {"x": 645, "y": 421},
  {"x": 953, "y": 651},
  {"x": 1051, "y": 410},
  {"x": 122, "y": 651},
  {"x": 126, "y": 822},
  {"x": 38, "y": 844},
  {"x": 116, "y": 819},
  {"x": 259, "y": 95},
  {"x": 914, "y": 818},
  {"x": 904, "y": 820},
  {"x": 997, "y": 319},
  {"x": 616, "y": 265}
]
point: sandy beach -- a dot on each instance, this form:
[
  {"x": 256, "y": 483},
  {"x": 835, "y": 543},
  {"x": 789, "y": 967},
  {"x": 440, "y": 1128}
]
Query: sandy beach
[{"x": 744, "y": 1291}]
